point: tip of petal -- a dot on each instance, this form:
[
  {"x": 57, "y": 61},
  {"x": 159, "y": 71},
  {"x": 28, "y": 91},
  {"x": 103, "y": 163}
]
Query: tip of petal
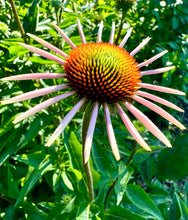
[
  {"x": 5, "y": 102},
  {"x": 182, "y": 127},
  {"x": 4, "y": 79}
]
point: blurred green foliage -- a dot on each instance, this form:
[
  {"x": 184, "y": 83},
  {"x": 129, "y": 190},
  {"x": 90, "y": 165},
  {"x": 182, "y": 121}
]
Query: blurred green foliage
[{"x": 42, "y": 183}]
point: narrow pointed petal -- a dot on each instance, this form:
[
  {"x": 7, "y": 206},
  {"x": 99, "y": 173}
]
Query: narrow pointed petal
[
  {"x": 132, "y": 129},
  {"x": 81, "y": 32},
  {"x": 49, "y": 46},
  {"x": 65, "y": 122},
  {"x": 140, "y": 46},
  {"x": 156, "y": 71},
  {"x": 35, "y": 93},
  {"x": 151, "y": 60},
  {"x": 161, "y": 89},
  {"x": 110, "y": 132},
  {"x": 148, "y": 124},
  {"x": 159, "y": 100},
  {"x": 90, "y": 132},
  {"x": 112, "y": 33},
  {"x": 128, "y": 34},
  {"x": 159, "y": 111},
  {"x": 65, "y": 37},
  {"x": 41, "y": 106},
  {"x": 100, "y": 32},
  {"x": 43, "y": 53},
  {"x": 34, "y": 76}
]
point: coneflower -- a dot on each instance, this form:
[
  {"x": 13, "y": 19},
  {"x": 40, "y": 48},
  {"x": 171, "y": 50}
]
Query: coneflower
[{"x": 105, "y": 75}]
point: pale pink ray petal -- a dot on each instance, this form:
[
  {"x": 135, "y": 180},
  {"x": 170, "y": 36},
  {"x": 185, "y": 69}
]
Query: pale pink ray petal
[
  {"x": 34, "y": 76},
  {"x": 35, "y": 93},
  {"x": 161, "y": 89},
  {"x": 65, "y": 122},
  {"x": 158, "y": 110},
  {"x": 156, "y": 71},
  {"x": 159, "y": 100},
  {"x": 152, "y": 59},
  {"x": 148, "y": 124},
  {"x": 81, "y": 32},
  {"x": 132, "y": 129},
  {"x": 65, "y": 37},
  {"x": 100, "y": 32},
  {"x": 111, "y": 40},
  {"x": 128, "y": 34},
  {"x": 110, "y": 132},
  {"x": 48, "y": 45},
  {"x": 42, "y": 105},
  {"x": 43, "y": 53},
  {"x": 140, "y": 46},
  {"x": 90, "y": 132}
]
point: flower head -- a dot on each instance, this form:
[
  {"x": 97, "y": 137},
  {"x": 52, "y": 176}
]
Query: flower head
[{"x": 104, "y": 74}]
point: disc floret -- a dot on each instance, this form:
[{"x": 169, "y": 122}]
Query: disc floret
[{"x": 102, "y": 72}]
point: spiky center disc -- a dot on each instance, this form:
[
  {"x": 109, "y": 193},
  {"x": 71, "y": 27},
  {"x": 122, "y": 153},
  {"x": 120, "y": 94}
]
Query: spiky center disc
[{"x": 102, "y": 72}]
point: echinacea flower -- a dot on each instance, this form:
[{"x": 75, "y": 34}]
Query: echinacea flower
[{"x": 103, "y": 74}]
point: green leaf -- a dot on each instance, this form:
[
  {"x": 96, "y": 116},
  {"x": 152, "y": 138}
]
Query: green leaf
[
  {"x": 182, "y": 207},
  {"x": 83, "y": 212},
  {"x": 74, "y": 149},
  {"x": 35, "y": 175},
  {"x": 66, "y": 180},
  {"x": 61, "y": 209},
  {"x": 30, "y": 21},
  {"x": 124, "y": 175},
  {"x": 171, "y": 161},
  {"x": 142, "y": 200},
  {"x": 119, "y": 213},
  {"x": 33, "y": 159}
]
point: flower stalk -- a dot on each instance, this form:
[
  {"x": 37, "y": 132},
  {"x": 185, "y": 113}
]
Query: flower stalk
[{"x": 86, "y": 165}]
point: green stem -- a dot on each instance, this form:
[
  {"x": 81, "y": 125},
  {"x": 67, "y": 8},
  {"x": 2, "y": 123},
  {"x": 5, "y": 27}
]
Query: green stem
[
  {"x": 87, "y": 168},
  {"x": 132, "y": 154},
  {"x": 120, "y": 28},
  {"x": 89, "y": 179},
  {"x": 109, "y": 192},
  {"x": 114, "y": 183},
  {"x": 18, "y": 20}
]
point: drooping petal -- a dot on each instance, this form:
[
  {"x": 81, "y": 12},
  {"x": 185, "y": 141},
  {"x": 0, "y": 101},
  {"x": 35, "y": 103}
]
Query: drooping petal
[
  {"x": 90, "y": 132},
  {"x": 81, "y": 32},
  {"x": 43, "y": 53},
  {"x": 65, "y": 122},
  {"x": 100, "y": 32},
  {"x": 132, "y": 129},
  {"x": 156, "y": 71},
  {"x": 159, "y": 100},
  {"x": 140, "y": 46},
  {"x": 35, "y": 93},
  {"x": 152, "y": 59},
  {"x": 48, "y": 45},
  {"x": 161, "y": 89},
  {"x": 110, "y": 132},
  {"x": 111, "y": 40},
  {"x": 158, "y": 110},
  {"x": 34, "y": 76},
  {"x": 65, "y": 37},
  {"x": 148, "y": 123},
  {"x": 42, "y": 105},
  {"x": 128, "y": 34}
]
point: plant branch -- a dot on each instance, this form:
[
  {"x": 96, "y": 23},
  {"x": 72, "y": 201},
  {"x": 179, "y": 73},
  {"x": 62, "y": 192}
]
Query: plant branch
[
  {"x": 18, "y": 20},
  {"x": 120, "y": 28},
  {"x": 109, "y": 192},
  {"x": 132, "y": 154}
]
